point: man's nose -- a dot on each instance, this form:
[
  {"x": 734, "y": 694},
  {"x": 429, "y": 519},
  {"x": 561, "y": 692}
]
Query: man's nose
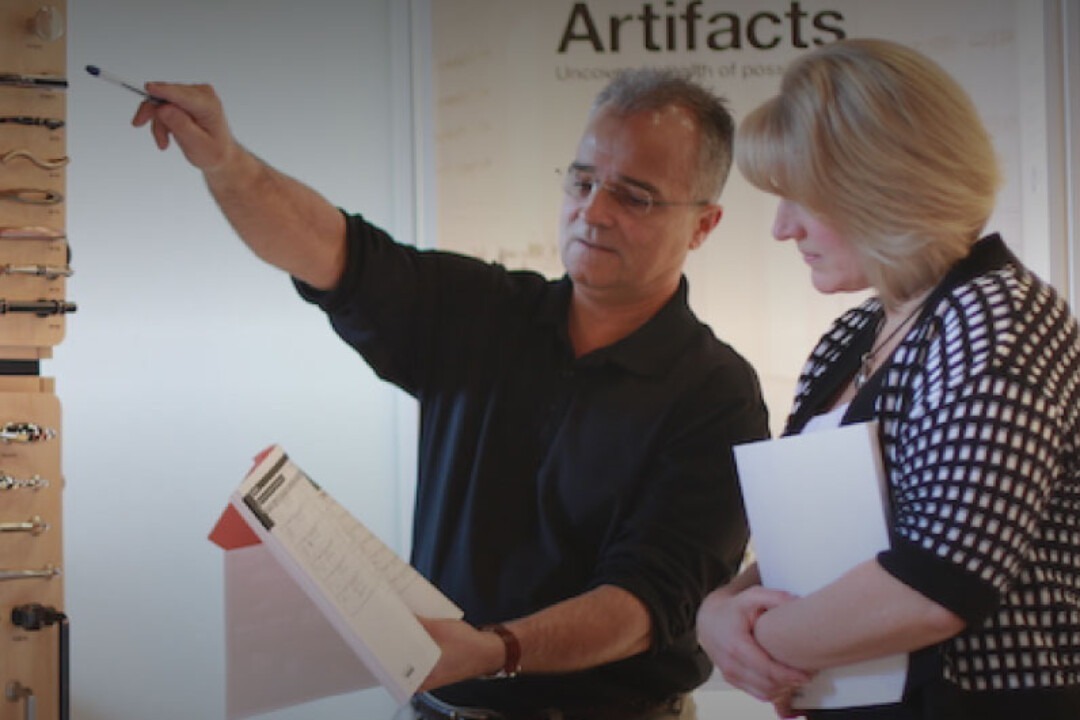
[{"x": 600, "y": 204}]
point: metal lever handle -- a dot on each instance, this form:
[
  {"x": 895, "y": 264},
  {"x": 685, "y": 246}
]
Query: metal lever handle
[
  {"x": 46, "y": 572},
  {"x": 16, "y": 691},
  {"x": 34, "y": 526},
  {"x": 41, "y": 308},
  {"x": 49, "y": 272}
]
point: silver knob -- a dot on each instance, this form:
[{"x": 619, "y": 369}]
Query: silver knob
[{"x": 48, "y": 23}]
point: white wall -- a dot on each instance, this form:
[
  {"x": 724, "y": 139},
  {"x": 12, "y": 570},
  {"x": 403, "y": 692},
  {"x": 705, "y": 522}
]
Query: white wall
[{"x": 187, "y": 355}]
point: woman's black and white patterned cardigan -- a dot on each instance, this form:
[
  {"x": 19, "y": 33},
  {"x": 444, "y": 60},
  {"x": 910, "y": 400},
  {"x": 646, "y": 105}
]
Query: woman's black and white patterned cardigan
[{"x": 979, "y": 413}]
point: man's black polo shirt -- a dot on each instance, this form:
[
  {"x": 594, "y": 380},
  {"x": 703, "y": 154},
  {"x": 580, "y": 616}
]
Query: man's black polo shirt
[{"x": 542, "y": 476}]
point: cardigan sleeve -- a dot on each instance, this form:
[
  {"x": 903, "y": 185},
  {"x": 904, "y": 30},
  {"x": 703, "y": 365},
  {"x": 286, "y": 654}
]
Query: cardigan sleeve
[{"x": 972, "y": 474}]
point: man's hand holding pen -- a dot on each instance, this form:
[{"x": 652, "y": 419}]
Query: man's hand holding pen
[{"x": 194, "y": 116}]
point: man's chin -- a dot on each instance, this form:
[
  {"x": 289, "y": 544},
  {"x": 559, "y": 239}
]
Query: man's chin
[{"x": 593, "y": 281}]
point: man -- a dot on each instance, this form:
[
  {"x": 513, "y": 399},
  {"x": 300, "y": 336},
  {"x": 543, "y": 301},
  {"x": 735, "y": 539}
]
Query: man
[{"x": 576, "y": 492}]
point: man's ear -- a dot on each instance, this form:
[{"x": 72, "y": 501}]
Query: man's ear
[{"x": 708, "y": 219}]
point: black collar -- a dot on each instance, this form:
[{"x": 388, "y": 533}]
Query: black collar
[{"x": 649, "y": 350}]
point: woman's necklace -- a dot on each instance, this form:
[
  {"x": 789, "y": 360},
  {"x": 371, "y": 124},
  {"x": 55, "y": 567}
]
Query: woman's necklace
[{"x": 863, "y": 373}]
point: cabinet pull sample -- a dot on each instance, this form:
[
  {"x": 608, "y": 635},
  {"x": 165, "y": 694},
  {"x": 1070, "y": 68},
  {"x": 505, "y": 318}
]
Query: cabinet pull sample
[
  {"x": 34, "y": 526},
  {"x": 47, "y": 572},
  {"x": 49, "y": 272},
  {"x": 35, "y": 482},
  {"x": 48, "y": 23},
  {"x": 16, "y": 691},
  {"x": 37, "y": 307},
  {"x": 34, "y": 617},
  {"x": 32, "y": 196},
  {"x": 33, "y": 81},
  {"x": 30, "y": 233},
  {"x": 25, "y": 432},
  {"x": 45, "y": 122},
  {"x": 43, "y": 163}
]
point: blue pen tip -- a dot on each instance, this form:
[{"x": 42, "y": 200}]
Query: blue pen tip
[{"x": 93, "y": 69}]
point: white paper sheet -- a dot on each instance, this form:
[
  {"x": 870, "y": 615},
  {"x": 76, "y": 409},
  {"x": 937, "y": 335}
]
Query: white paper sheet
[{"x": 817, "y": 507}]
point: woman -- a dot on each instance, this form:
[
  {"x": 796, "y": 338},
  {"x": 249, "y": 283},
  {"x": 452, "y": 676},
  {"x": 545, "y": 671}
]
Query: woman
[{"x": 971, "y": 366}]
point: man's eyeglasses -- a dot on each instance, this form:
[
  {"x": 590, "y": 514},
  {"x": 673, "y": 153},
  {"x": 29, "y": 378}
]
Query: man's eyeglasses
[{"x": 581, "y": 185}]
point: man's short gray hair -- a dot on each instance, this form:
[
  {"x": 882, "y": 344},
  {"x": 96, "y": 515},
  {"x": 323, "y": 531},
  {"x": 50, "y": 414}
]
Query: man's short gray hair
[{"x": 643, "y": 89}]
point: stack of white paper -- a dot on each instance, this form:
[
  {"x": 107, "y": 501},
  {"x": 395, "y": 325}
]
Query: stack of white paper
[{"x": 817, "y": 506}]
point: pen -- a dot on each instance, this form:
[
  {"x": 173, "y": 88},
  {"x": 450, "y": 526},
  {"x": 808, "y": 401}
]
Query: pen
[{"x": 98, "y": 72}]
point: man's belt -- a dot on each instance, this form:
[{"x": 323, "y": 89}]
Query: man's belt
[{"x": 429, "y": 707}]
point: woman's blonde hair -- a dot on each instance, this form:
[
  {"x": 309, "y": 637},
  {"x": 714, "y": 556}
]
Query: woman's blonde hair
[{"x": 882, "y": 143}]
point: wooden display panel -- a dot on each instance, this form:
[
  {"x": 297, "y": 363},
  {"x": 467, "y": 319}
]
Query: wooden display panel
[
  {"x": 31, "y": 657},
  {"x": 25, "y": 330},
  {"x": 32, "y": 43}
]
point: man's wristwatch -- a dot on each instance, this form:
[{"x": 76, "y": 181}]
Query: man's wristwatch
[{"x": 512, "y": 660}]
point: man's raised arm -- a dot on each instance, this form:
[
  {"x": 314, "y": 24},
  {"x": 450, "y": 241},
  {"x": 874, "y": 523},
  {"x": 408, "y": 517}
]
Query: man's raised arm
[{"x": 283, "y": 221}]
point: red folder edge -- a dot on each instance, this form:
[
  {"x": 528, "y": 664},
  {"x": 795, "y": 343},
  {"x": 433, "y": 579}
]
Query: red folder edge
[{"x": 232, "y": 531}]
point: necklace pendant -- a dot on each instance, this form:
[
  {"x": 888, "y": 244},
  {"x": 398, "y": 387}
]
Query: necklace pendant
[{"x": 863, "y": 373}]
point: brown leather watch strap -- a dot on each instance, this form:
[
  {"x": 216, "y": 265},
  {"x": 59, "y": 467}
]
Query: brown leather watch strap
[{"x": 512, "y": 660}]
